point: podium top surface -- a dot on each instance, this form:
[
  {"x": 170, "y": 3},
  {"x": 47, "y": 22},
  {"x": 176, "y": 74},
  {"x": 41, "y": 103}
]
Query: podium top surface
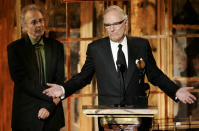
[{"x": 109, "y": 110}]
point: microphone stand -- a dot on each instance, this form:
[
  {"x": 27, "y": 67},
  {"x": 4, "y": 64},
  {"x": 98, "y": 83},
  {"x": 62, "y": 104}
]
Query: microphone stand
[
  {"x": 121, "y": 69},
  {"x": 141, "y": 80},
  {"x": 142, "y": 100},
  {"x": 143, "y": 85}
]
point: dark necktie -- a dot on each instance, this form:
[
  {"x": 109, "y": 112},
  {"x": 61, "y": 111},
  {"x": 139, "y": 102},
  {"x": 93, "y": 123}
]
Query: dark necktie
[
  {"x": 40, "y": 63},
  {"x": 121, "y": 61},
  {"x": 122, "y": 69}
]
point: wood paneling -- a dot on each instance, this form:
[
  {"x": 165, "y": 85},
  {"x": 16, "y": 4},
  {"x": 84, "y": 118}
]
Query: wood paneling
[
  {"x": 6, "y": 85},
  {"x": 86, "y": 30}
]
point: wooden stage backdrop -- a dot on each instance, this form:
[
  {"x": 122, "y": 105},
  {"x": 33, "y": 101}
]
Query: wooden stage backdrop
[{"x": 7, "y": 11}]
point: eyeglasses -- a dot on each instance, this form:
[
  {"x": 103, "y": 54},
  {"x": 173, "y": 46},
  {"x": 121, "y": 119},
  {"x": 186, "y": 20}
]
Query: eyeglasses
[
  {"x": 114, "y": 24},
  {"x": 35, "y": 22}
]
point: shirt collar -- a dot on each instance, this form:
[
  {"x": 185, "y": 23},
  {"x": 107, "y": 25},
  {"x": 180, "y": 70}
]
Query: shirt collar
[
  {"x": 33, "y": 42},
  {"x": 123, "y": 43}
]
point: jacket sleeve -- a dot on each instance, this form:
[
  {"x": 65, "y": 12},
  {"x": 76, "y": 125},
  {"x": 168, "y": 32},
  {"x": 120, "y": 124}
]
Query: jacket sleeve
[
  {"x": 83, "y": 78},
  {"x": 157, "y": 77},
  {"x": 22, "y": 79},
  {"x": 59, "y": 76}
]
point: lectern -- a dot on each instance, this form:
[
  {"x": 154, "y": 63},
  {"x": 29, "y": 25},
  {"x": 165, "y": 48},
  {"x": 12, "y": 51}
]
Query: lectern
[{"x": 119, "y": 118}]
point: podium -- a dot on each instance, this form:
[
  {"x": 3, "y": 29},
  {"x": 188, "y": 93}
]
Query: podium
[{"x": 119, "y": 118}]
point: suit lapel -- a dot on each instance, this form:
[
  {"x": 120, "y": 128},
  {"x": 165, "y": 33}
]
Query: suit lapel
[
  {"x": 48, "y": 56},
  {"x": 29, "y": 53},
  {"x": 109, "y": 56},
  {"x": 132, "y": 54}
]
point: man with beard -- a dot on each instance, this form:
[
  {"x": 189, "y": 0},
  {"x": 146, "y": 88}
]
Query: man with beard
[{"x": 33, "y": 61}]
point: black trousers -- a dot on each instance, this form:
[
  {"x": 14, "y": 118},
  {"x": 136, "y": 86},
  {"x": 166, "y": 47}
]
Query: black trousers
[{"x": 29, "y": 129}]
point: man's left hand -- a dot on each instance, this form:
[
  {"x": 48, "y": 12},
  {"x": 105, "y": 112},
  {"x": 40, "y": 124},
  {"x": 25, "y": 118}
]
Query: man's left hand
[{"x": 185, "y": 96}]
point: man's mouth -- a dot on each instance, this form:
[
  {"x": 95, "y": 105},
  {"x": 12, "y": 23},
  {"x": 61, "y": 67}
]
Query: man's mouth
[{"x": 37, "y": 30}]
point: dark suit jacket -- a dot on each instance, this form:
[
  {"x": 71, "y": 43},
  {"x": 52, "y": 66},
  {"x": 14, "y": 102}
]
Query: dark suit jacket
[
  {"x": 28, "y": 97},
  {"x": 100, "y": 61}
]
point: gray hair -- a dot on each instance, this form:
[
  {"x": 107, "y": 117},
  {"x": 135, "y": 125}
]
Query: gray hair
[
  {"x": 31, "y": 7},
  {"x": 117, "y": 8}
]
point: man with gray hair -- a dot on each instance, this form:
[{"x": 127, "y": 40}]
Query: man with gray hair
[
  {"x": 120, "y": 63},
  {"x": 33, "y": 61}
]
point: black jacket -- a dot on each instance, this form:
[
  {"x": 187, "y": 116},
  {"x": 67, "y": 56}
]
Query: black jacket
[
  {"x": 28, "y": 97},
  {"x": 99, "y": 60}
]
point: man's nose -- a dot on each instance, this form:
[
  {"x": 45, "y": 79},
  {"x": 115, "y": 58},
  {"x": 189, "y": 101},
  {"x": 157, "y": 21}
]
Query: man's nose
[{"x": 111, "y": 27}]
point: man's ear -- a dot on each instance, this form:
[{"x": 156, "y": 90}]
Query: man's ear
[{"x": 126, "y": 22}]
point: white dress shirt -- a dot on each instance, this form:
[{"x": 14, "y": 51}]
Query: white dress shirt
[{"x": 114, "y": 49}]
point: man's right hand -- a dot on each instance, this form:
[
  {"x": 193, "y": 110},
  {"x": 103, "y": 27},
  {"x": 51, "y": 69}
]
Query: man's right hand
[{"x": 54, "y": 90}]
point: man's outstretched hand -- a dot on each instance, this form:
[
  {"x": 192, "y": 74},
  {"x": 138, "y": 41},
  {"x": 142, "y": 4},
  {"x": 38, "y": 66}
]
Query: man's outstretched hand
[
  {"x": 54, "y": 91},
  {"x": 185, "y": 96}
]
